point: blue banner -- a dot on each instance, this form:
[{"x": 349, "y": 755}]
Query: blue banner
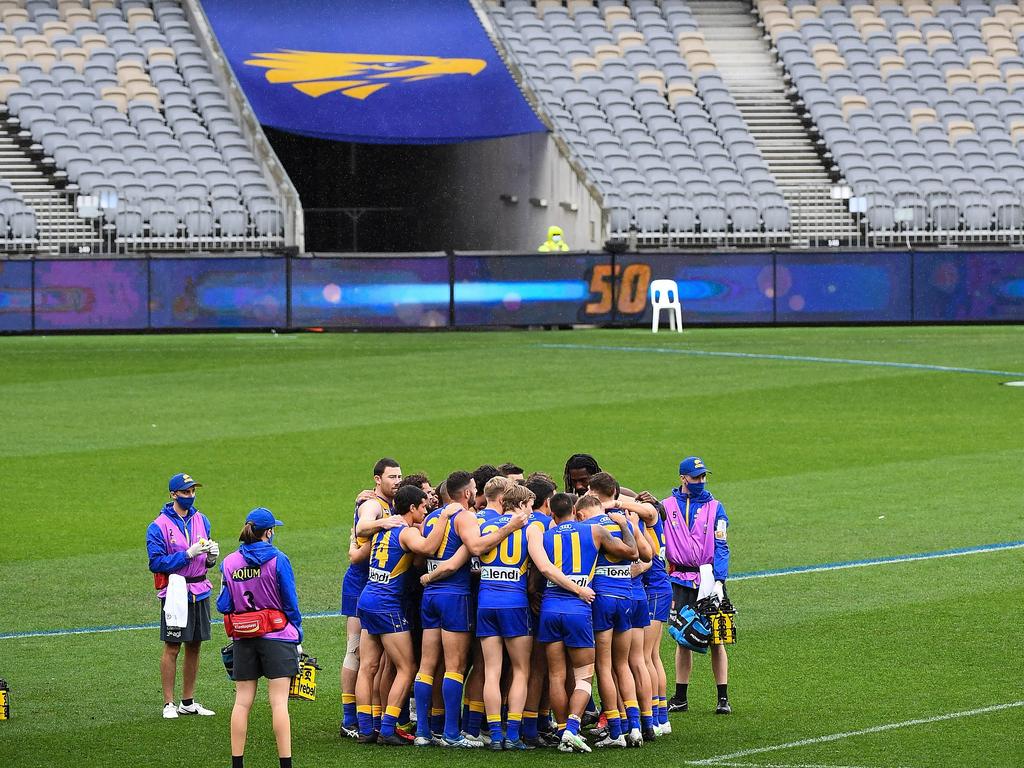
[
  {"x": 842, "y": 287},
  {"x": 104, "y": 294},
  {"x": 371, "y": 71},
  {"x": 958, "y": 286},
  {"x": 218, "y": 293},
  {"x": 400, "y": 292},
  {"x": 525, "y": 290},
  {"x": 15, "y": 295}
]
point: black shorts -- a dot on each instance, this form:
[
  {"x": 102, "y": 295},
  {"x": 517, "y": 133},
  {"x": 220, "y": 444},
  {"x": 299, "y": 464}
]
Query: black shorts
[
  {"x": 258, "y": 657},
  {"x": 684, "y": 596},
  {"x": 197, "y": 627}
]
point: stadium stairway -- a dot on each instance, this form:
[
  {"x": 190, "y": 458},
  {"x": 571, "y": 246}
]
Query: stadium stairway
[
  {"x": 58, "y": 228},
  {"x": 750, "y": 70}
]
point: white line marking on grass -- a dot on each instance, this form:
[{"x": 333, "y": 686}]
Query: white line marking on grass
[
  {"x": 982, "y": 549},
  {"x": 791, "y": 358},
  {"x": 797, "y": 765},
  {"x": 862, "y": 732}
]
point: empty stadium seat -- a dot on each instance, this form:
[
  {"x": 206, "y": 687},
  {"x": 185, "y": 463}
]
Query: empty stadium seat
[
  {"x": 636, "y": 94},
  {"x": 121, "y": 97}
]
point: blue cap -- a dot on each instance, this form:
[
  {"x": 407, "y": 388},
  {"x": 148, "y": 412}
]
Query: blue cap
[
  {"x": 182, "y": 481},
  {"x": 262, "y": 518},
  {"x": 692, "y": 466}
]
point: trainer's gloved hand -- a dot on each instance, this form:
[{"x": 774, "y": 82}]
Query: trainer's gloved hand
[{"x": 195, "y": 549}]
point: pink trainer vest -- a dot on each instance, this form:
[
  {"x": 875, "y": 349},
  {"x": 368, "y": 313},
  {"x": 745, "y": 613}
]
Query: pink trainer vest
[
  {"x": 175, "y": 542},
  {"x": 254, "y": 588},
  {"x": 687, "y": 549}
]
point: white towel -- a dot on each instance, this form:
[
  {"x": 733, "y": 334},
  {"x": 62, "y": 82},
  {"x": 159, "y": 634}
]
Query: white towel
[
  {"x": 707, "y": 582},
  {"x": 176, "y": 602}
]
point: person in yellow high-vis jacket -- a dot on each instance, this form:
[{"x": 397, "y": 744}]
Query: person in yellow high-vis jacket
[{"x": 555, "y": 241}]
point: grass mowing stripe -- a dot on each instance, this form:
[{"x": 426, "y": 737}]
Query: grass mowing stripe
[
  {"x": 982, "y": 549},
  {"x": 791, "y": 358},
  {"x": 862, "y": 732},
  {"x": 879, "y": 561}
]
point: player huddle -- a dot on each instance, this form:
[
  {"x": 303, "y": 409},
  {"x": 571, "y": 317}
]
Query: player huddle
[{"x": 500, "y": 604}]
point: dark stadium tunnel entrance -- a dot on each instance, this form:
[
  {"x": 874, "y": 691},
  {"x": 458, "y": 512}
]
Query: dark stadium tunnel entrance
[{"x": 368, "y": 197}]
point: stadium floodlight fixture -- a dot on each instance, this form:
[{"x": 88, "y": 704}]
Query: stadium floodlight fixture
[
  {"x": 569, "y": 207},
  {"x": 842, "y": 192},
  {"x": 510, "y": 199},
  {"x": 858, "y": 204},
  {"x": 540, "y": 202}
]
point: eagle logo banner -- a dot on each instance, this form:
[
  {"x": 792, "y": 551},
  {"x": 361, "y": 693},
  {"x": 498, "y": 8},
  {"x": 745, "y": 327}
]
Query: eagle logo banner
[{"x": 357, "y": 75}]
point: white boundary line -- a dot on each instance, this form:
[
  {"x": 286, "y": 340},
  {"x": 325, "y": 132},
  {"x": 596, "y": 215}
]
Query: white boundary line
[
  {"x": 722, "y": 759},
  {"x": 791, "y": 765}
]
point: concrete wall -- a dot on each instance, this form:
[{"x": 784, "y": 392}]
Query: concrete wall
[{"x": 486, "y": 196}]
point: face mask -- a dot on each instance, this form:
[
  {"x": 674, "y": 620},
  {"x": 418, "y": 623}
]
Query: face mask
[
  {"x": 186, "y": 502},
  {"x": 695, "y": 489}
]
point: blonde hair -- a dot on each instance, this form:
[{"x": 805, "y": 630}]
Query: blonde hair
[
  {"x": 586, "y": 502},
  {"x": 496, "y": 486},
  {"x": 514, "y": 496}
]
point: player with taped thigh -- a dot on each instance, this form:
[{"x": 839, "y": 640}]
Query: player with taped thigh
[
  {"x": 612, "y": 619},
  {"x": 382, "y": 613},
  {"x": 566, "y": 556},
  {"x": 445, "y": 608},
  {"x": 504, "y": 621},
  {"x": 373, "y": 508}
]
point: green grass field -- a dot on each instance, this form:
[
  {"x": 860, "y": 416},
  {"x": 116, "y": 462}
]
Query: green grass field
[{"x": 816, "y": 462}]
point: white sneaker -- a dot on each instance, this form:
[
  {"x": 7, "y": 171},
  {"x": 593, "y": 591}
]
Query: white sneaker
[
  {"x": 666, "y": 729},
  {"x": 573, "y": 743},
  {"x": 170, "y": 712},
  {"x": 608, "y": 741},
  {"x": 477, "y": 741},
  {"x": 195, "y": 708},
  {"x": 634, "y": 738}
]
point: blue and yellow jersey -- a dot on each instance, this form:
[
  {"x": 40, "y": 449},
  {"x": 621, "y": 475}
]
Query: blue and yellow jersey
[
  {"x": 360, "y": 571},
  {"x": 389, "y": 566},
  {"x": 457, "y": 583},
  {"x": 487, "y": 514},
  {"x": 637, "y": 582},
  {"x": 656, "y": 578},
  {"x": 503, "y": 569},
  {"x": 539, "y": 518},
  {"x": 612, "y": 577},
  {"x": 570, "y": 547}
]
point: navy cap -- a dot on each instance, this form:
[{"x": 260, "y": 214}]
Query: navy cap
[
  {"x": 182, "y": 481},
  {"x": 692, "y": 466},
  {"x": 262, "y": 518}
]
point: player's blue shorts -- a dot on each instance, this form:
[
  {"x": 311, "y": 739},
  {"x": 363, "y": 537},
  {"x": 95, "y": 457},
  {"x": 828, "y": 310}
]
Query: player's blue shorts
[
  {"x": 446, "y": 611},
  {"x": 639, "y": 613},
  {"x": 576, "y": 630},
  {"x": 383, "y": 622},
  {"x": 659, "y": 605},
  {"x": 351, "y": 588},
  {"x": 612, "y": 613},
  {"x": 504, "y": 622}
]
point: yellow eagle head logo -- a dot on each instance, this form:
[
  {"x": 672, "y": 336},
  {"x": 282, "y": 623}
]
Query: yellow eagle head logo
[{"x": 357, "y": 75}]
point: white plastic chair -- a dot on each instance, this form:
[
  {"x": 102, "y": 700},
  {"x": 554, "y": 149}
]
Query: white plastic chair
[{"x": 665, "y": 295}]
